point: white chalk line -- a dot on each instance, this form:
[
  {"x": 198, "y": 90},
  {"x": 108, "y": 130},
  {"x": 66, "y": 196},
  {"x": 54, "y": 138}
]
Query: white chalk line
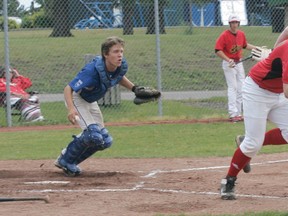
[
  {"x": 155, "y": 172},
  {"x": 47, "y": 182},
  {"x": 152, "y": 174},
  {"x": 138, "y": 188}
]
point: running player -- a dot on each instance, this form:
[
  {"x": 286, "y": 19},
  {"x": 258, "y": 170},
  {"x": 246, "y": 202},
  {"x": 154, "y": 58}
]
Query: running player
[
  {"x": 265, "y": 93},
  {"x": 229, "y": 47}
]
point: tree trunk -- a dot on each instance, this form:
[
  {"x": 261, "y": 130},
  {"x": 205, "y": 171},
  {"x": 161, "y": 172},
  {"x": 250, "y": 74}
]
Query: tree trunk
[
  {"x": 61, "y": 24},
  {"x": 128, "y": 8},
  {"x": 151, "y": 18}
]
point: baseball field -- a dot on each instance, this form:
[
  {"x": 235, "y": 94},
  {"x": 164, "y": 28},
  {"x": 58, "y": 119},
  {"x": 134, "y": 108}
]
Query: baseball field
[
  {"x": 169, "y": 165},
  {"x": 142, "y": 173}
]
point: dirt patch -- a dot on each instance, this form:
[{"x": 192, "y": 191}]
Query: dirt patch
[{"x": 143, "y": 187}]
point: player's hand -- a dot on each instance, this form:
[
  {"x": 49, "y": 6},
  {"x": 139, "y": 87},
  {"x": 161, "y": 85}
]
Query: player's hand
[
  {"x": 260, "y": 53},
  {"x": 73, "y": 117},
  {"x": 231, "y": 63}
]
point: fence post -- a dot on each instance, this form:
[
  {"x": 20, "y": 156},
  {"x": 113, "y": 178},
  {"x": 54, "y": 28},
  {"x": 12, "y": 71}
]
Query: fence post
[{"x": 113, "y": 95}]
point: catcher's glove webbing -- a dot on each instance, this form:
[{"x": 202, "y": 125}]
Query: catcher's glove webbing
[{"x": 145, "y": 94}]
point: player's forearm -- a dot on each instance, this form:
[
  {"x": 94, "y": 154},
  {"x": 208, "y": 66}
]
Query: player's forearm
[
  {"x": 68, "y": 97},
  {"x": 222, "y": 55},
  {"x": 250, "y": 47},
  {"x": 126, "y": 83},
  {"x": 283, "y": 36}
]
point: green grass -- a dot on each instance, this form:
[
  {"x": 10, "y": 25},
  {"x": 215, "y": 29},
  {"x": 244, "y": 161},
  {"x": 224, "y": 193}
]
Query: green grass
[
  {"x": 188, "y": 61},
  {"x": 55, "y": 112},
  {"x": 148, "y": 141},
  {"x": 172, "y": 140}
]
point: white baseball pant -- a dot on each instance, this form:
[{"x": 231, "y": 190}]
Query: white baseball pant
[
  {"x": 90, "y": 112},
  {"x": 234, "y": 78},
  {"x": 259, "y": 105}
]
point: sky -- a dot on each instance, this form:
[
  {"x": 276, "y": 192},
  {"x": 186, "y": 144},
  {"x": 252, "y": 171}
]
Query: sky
[{"x": 26, "y": 3}]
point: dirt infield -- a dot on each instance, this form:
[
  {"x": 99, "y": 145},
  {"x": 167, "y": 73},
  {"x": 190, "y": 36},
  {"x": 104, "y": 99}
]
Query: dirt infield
[{"x": 142, "y": 187}]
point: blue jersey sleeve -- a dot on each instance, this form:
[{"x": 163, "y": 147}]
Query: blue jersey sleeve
[{"x": 86, "y": 78}]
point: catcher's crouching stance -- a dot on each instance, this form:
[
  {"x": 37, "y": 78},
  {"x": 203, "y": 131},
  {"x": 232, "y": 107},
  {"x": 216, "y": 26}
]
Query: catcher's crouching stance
[
  {"x": 91, "y": 140},
  {"x": 81, "y": 96}
]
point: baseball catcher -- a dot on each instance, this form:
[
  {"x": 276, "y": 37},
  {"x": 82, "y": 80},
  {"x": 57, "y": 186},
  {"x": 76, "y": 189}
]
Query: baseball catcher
[
  {"x": 81, "y": 95},
  {"x": 145, "y": 94}
]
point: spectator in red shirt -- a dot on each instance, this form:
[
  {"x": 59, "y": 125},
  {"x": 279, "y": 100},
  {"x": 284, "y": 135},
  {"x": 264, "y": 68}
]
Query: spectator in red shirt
[{"x": 21, "y": 100}]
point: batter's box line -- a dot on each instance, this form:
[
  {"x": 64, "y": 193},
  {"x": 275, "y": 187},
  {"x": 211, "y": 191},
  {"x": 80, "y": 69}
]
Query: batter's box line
[
  {"x": 140, "y": 187},
  {"x": 212, "y": 193},
  {"x": 135, "y": 188},
  {"x": 153, "y": 173}
]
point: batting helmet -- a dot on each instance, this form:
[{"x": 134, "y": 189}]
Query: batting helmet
[{"x": 233, "y": 18}]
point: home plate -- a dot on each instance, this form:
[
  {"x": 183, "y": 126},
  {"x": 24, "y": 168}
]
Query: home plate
[{"x": 48, "y": 182}]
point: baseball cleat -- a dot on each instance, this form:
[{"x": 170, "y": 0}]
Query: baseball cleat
[
  {"x": 227, "y": 188},
  {"x": 238, "y": 140},
  {"x": 70, "y": 170},
  {"x": 236, "y": 119}
]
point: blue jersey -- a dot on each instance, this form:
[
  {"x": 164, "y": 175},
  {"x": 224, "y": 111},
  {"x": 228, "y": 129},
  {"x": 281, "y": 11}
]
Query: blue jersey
[{"x": 93, "y": 81}]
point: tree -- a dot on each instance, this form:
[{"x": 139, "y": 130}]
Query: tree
[
  {"x": 150, "y": 21},
  {"x": 12, "y": 7},
  {"x": 128, "y": 7},
  {"x": 40, "y": 2},
  {"x": 280, "y": 3},
  {"x": 60, "y": 14}
]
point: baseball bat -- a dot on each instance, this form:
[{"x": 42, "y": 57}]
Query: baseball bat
[
  {"x": 12, "y": 199},
  {"x": 244, "y": 59}
]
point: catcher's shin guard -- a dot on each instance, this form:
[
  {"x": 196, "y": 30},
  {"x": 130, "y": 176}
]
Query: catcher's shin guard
[
  {"x": 107, "y": 139},
  {"x": 67, "y": 157},
  {"x": 89, "y": 138},
  {"x": 69, "y": 169}
]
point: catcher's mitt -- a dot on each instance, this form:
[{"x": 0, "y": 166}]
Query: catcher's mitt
[{"x": 145, "y": 94}]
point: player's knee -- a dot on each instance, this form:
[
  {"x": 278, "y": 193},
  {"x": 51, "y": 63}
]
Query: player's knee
[
  {"x": 107, "y": 138},
  {"x": 251, "y": 147},
  {"x": 284, "y": 133},
  {"x": 92, "y": 136}
]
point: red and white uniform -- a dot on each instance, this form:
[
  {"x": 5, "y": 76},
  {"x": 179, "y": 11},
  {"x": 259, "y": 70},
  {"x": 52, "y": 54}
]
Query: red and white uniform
[
  {"x": 18, "y": 85},
  {"x": 263, "y": 99},
  {"x": 232, "y": 45},
  {"x": 272, "y": 72}
]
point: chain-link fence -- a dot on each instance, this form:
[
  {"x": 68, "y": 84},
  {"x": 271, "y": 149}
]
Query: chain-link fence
[{"x": 48, "y": 42}]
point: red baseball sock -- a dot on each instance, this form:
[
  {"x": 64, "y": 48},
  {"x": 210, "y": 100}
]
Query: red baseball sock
[
  {"x": 238, "y": 161},
  {"x": 274, "y": 137}
]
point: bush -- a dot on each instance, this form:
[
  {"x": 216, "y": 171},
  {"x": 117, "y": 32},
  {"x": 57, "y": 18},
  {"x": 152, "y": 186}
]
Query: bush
[
  {"x": 36, "y": 20},
  {"x": 11, "y": 24},
  {"x": 27, "y": 22}
]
